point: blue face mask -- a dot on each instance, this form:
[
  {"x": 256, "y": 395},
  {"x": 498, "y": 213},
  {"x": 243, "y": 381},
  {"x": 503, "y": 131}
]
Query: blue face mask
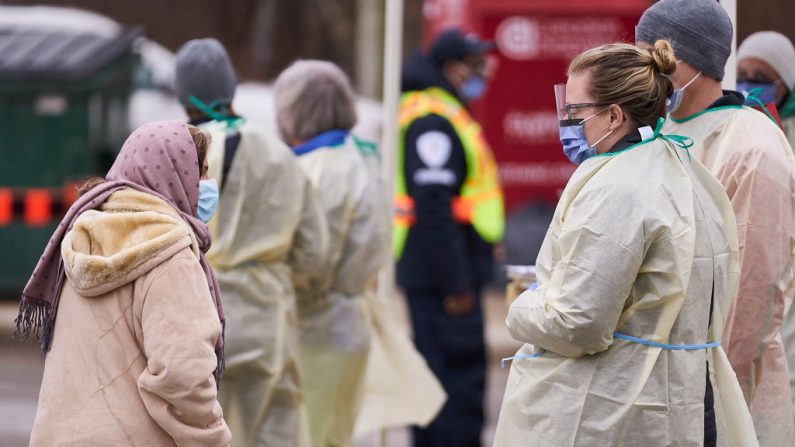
[
  {"x": 473, "y": 88},
  {"x": 575, "y": 144},
  {"x": 675, "y": 100},
  {"x": 766, "y": 93},
  {"x": 208, "y": 199}
]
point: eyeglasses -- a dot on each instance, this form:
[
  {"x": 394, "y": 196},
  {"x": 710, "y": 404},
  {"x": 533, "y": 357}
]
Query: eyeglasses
[
  {"x": 564, "y": 109},
  {"x": 760, "y": 80},
  {"x": 584, "y": 105}
]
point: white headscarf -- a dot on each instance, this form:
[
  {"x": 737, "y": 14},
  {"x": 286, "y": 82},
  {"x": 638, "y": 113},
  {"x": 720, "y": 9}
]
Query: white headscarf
[{"x": 774, "y": 48}]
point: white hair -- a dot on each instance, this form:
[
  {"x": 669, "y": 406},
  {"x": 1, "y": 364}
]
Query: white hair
[{"x": 312, "y": 97}]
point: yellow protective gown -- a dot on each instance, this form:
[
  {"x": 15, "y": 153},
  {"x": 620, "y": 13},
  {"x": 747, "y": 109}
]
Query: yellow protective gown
[
  {"x": 640, "y": 241},
  {"x": 268, "y": 226},
  {"x": 788, "y": 338},
  {"x": 333, "y": 308},
  {"x": 399, "y": 387},
  {"x": 751, "y": 158},
  {"x": 789, "y": 129},
  {"x": 788, "y": 325}
]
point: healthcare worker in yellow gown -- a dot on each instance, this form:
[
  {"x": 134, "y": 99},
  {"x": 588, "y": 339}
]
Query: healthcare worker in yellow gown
[
  {"x": 315, "y": 111},
  {"x": 399, "y": 387},
  {"x": 766, "y": 64},
  {"x": 269, "y": 228},
  {"x": 751, "y": 158},
  {"x": 635, "y": 277}
]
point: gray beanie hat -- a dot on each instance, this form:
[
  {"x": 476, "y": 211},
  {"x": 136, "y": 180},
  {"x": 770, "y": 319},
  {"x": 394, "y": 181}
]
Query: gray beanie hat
[
  {"x": 699, "y": 30},
  {"x": 205, "y": 71}
]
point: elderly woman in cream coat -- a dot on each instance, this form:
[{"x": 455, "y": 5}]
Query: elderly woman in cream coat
[{"x": 132, "y": 354}]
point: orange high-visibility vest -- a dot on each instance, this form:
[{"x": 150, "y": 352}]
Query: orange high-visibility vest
[{"x": 480, "y": 201}]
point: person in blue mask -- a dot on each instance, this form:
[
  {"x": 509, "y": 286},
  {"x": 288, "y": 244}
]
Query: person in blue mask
[
  {"x": 449, "y": 215},
  {"x": 750, "y": 156},
  {"x": 635, "y": 278},
  {"x": 766, "y": 66},
  {"x": 269, "y": 231}
]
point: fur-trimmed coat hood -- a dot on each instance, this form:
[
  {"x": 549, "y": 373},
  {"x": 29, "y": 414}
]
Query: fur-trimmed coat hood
[{"x": 129, "y": 235}]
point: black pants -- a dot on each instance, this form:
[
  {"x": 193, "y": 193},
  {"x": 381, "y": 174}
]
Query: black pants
[
  {"x": 710, "y": 425},
  {"x": 455, "y": 350}
]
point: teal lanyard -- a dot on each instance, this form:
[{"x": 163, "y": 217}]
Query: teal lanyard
[
  {"x": 755, "y": 99},
  {"x": 366, "y": 148},
  {"x": 680, "y": 141},
  {"x": 232, "y": 122}
]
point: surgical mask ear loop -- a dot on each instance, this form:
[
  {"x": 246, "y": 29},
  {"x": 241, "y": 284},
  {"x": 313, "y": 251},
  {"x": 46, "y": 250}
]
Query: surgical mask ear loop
[
  {"x": 605, "y": 136},
  {"x": 464, "y": 71},
  {"x": 601, "y": 139},
  {"x": 673, "y": 102},
  {"x": 586, "y": 119},
  {"x": 691, "y": 81}
]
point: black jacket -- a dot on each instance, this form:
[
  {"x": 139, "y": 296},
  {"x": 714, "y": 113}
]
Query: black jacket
[{"x": 440, "y": 254}]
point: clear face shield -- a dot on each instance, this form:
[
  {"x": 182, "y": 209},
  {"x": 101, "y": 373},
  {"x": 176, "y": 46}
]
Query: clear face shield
[
  {"x": 560, "y": 102},
  {"x": 564, "y": 110}
]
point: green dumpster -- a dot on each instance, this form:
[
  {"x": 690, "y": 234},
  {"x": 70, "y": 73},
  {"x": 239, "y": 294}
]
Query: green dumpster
[{"x": 63, "y": 117}]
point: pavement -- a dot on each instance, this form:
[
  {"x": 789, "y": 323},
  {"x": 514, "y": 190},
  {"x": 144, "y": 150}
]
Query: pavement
[
  {"x": 22, "y": 364},
  {"x": 499, "y": 344},
  {"x": 8, "y": 312}
]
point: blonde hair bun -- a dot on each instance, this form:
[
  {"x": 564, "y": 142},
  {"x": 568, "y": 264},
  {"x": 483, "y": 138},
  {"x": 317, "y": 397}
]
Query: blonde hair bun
[
  {"x": 663, "y": 57},
  {"x": 637, "y": 80}
]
